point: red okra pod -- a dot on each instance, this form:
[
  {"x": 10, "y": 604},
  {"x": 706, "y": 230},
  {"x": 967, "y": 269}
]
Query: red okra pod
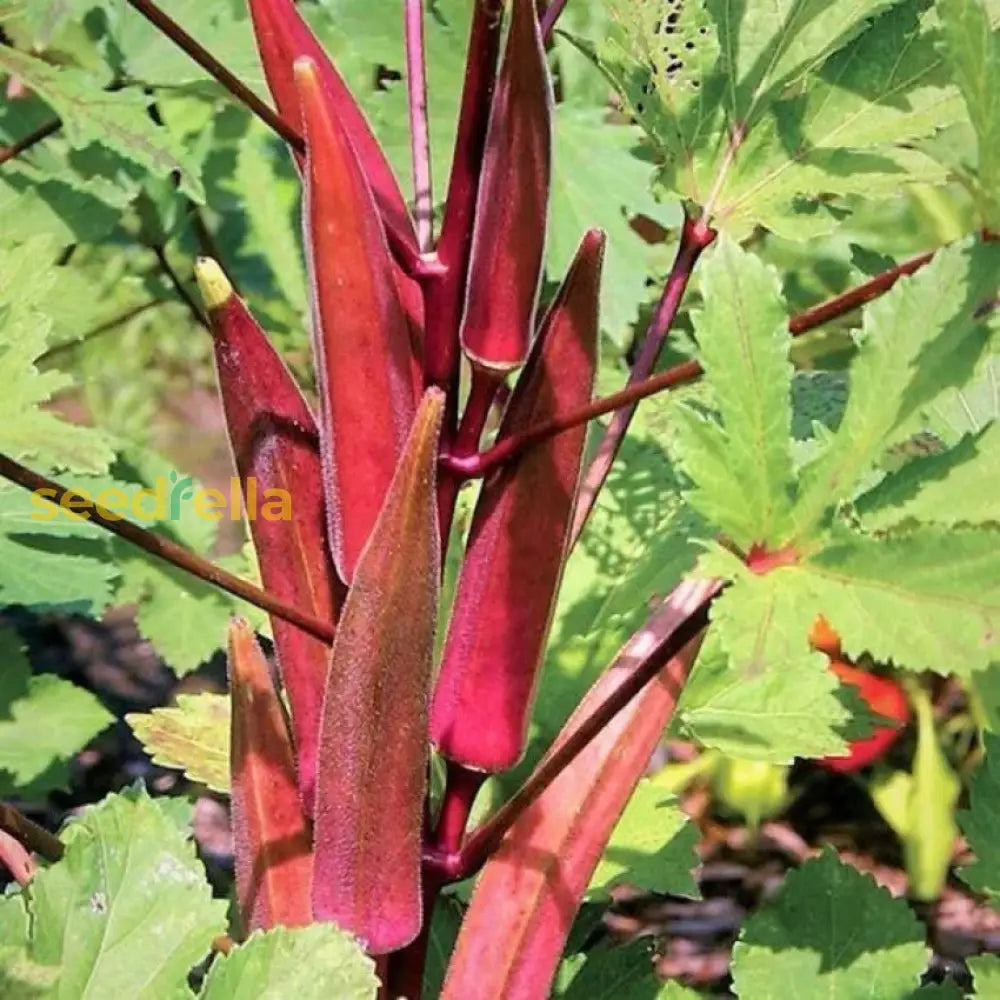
[
  {"x": 518, "y": 540},
  {"x": 373, "y": 737},
  {"x": 527, "y": 895},
  {"x": 364, "y": 355},
  {"x": 276, "y": 453},
  {"x": 271, "y": 836},
  {"x": 282, "y": 37},
  {"x": 508, "y": 236}
]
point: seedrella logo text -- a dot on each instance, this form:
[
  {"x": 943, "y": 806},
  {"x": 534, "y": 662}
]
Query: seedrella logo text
[{"x": 165, "y": 501}]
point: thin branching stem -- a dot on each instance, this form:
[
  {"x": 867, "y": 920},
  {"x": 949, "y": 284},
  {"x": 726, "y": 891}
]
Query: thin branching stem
[
  {"x": 462, "y": 785},
  {"x": 178, "y": 286},
  {"x": 474, "y": 466},
  {"x": 482, "y": 392},
  {"x": 481, "y": 464},
  {"x": 34, "y": 837},
  {"x": 32, "y": 139},
  {"x": 108, "y": 326},
  {"x": 162, "y": 548},
  {"x": 420, "y": 143},
  {"x": 695, "y": 237},
  {"x": 218, "y": 72},
  {"x": 208, "y": 245}
]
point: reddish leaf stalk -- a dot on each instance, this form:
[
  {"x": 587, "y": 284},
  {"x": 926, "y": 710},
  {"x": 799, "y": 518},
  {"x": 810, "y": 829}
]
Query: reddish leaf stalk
[
  {"x": 481, "y": 464},
  {"x": 856, "y": 297},
  {"x": 552, "y": 14},
  {"x": 462, "y": 785},
  {"x": 482, "y": 392},
  {"x": 178, "y": 286},
  {"x": 31, "y": 139},
  {"x": 474, "y": 466},
  {"x": 416, "y": 82},
  {"x": 162, "y": 548},
  {"x": 695, "y": 238},
  {"x": 218, "y": 71}
]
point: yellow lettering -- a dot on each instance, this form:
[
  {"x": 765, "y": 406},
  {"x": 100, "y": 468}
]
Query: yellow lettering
[
  {"x": 277, "y": 506},
  {"x": 113, "y": 501},
  {"x": 45, "y": 509},
  {"x": 209, "y": 504}
]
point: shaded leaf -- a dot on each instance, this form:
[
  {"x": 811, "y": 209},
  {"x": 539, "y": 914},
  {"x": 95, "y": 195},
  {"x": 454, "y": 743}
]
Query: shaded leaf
[
  {"x": 788, "y": 709},
  {"x": 652, "y": 847},
  {"x": 808, "y": 939},
  {"x": 34, "y": 758},
  {"x": 973, "y": 52},
  {"x": 622, "y": 972},
  {"x": 742, "y": 466},
  {"x": 116, "y": 119},
  {"x": 922, "y": 337},
  {"x": 979, "y": 824}
]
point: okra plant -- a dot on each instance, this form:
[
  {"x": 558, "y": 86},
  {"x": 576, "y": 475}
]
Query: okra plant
[{"x": 492, "y": 583}]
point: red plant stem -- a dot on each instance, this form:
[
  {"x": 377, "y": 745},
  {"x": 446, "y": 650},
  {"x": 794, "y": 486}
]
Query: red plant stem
[
  {"x": 853, "y": 298},
  {"x": 162, "y": 548},
  {"x": 420, "y": 145},
  {"x": 473, "y": 466},
  {"x": 484, "y": 462},
  {"x": 32, "y": 139},
  {"x": 486, "y": 839},
  {"x": 695, "y": 237},
  {"x": 461, "y": 788},
  {"x": 218, "y": 72},
  {"x": 404, "y": 976},
  {"x": 552, "y": 14},
  {"x": 445, "y": 296},
  {"x": 34, "y": 837},
  {"x": 466, "y": 443},
  {"x": 382, "y": 971}
]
